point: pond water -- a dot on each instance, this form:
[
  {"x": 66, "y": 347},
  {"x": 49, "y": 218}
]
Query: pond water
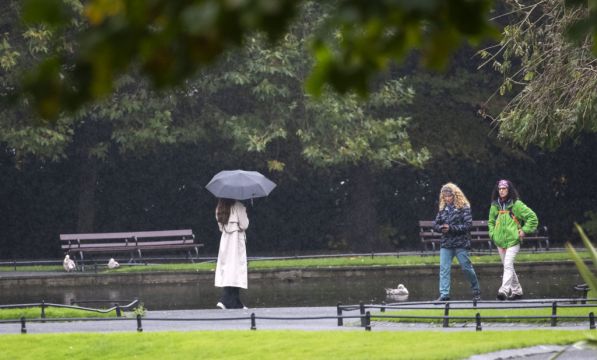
[{"x": 300, "y": 292}]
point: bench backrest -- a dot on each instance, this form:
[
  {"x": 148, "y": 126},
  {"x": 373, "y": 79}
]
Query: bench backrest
[
  {"x": 479, "y": 231},
  {"x": 479, "y": 234},
  {"x": 127, "y": 239}
]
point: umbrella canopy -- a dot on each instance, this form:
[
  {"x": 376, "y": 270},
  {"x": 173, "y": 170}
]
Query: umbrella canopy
[{"x": 240, "y": 185}]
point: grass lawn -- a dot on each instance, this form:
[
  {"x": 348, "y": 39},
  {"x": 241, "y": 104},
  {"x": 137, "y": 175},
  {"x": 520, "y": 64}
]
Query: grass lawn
[
  {"x": 410, "y": 260},
  {"x": 277, "y": 344},
  {"x": 32, "y": 268},
  {"x": 51, "y": 312},
  {"x": 506, "y": 313}
]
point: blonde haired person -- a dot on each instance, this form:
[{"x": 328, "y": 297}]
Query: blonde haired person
[{"x": 454, "y": 220}]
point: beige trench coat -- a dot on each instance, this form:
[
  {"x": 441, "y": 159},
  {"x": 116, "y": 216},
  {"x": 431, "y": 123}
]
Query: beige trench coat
[{"x": 231, "y": 269}]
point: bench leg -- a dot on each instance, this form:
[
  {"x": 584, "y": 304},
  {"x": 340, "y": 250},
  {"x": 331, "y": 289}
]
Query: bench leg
[
  {"x": 82, "y": 261},
  {"x": 140, "y": 255},
  {"x": 190, "y": 257}
]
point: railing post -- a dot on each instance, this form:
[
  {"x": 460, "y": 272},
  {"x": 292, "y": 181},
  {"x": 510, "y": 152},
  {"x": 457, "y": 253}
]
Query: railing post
[
  {"x": 118, "y": 312},
  {"x": 362, "y": 311},
  {"x": 447, "y": 315},
  {"x": 368, "y": 321},
  {"x": 554, "y": 313},
  {"x": 478, "y": 319},
  {"x": 23, "y": 326},
  {"x": 139, "y": 325},
  {"x": 591, "y": 321},
  {"x": 43, "y": 310},
  {"x": 383, "y": 307},
  {"x": 339, "y": 313},
  {"x": 253, "y": 324}
]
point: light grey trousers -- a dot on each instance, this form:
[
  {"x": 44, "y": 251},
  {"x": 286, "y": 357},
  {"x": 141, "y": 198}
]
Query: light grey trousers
[{"x": 510, "y": 283}]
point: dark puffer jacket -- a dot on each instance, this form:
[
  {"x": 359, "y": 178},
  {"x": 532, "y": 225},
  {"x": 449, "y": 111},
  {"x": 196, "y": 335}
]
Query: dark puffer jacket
[{"x": 460, "y": 221}]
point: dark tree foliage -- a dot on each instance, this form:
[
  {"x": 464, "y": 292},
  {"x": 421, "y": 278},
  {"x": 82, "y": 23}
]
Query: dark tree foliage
[
  {"x": 158, "y": 184},
  {"x": 305, "y": 214}
]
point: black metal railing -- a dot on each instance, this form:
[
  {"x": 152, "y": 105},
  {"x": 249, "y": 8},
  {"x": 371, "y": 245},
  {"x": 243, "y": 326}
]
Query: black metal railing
[
  {"x": 252, "y": 319},
  {"x": 364, "y": 316},
  {"x": 554, "y": 304},
  {"x": 44, "y": 305}
]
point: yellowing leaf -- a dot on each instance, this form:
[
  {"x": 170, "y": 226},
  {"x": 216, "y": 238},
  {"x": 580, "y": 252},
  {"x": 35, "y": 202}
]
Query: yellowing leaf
[{"x": 97, "y": 10}]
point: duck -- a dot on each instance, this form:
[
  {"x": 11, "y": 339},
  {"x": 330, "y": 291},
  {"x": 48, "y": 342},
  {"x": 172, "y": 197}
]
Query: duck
[
  {"x": 401, "y": 290},
  {"x": 113, "y": 264},
  {"x": 68, "y": 264}
]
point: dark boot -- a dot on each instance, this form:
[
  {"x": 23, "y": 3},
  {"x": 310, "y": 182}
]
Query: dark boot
[
  {"x": 443, "y": 298},
  {"x": 228, "y": 298}
]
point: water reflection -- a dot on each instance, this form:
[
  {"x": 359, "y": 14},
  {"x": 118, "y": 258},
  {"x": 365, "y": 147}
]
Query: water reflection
[{"x": 302, "y": 292}]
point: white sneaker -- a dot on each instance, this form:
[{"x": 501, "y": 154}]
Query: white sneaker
[
  {"x": 221, "y": 306},
  {"x": 245, "y": 308}
]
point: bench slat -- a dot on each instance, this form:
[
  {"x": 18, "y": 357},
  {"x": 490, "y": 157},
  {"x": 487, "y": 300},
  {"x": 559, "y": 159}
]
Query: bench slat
[
  {"x": 125, "y": 235},
  {"x": 104, "y": 245},
  {"x": 134, "y": 248},
  {"x": 163, "y": 247}
]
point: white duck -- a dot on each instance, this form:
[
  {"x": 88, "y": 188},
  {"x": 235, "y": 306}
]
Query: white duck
[
  {"x": 68, "y": 264},
  {"x": 113, "y": 264},
  {"x": 401, "y": 290}
]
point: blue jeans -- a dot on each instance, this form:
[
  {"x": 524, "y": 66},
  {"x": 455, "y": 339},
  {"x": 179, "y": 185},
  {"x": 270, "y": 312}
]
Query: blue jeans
[{"x": 445, "y": 266}]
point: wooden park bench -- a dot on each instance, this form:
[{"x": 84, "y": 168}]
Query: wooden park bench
[
  {"x": 134, "y": 243},
  {"x": 479, "y": 236}
]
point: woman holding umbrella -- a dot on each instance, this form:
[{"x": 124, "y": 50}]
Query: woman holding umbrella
[
  {"x": 229, "y": 186},
  {"x": 231, "y": 269}
]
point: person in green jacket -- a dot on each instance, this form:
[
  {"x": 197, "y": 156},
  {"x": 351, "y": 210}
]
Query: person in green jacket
[{"x": 509, "y": 221}]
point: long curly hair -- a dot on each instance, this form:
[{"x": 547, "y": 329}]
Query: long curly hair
[{"x": 460, "y": 200}]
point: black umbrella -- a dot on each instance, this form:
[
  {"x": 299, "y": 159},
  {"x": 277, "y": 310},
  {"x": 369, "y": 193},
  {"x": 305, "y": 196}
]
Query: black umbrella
[{"x": 240, "y": 185}]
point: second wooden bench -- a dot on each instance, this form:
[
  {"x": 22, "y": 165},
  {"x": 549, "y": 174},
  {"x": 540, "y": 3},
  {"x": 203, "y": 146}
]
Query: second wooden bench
[{"x": 479, "y": 236}]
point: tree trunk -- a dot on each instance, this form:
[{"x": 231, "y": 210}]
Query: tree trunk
[
  {"x": 361, "y": 229},
  {"x": 87, "y": 188}
]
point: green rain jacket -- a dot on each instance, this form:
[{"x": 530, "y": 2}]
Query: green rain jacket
[{"x": 505, "y": 220}]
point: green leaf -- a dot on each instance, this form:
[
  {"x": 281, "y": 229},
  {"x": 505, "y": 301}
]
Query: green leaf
[
  {"x": 588, "y": 244},
  {"x": 51, "y": 12},
  {"x": 585, "y": 273},
  {"x": 529, "y": 76}
]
